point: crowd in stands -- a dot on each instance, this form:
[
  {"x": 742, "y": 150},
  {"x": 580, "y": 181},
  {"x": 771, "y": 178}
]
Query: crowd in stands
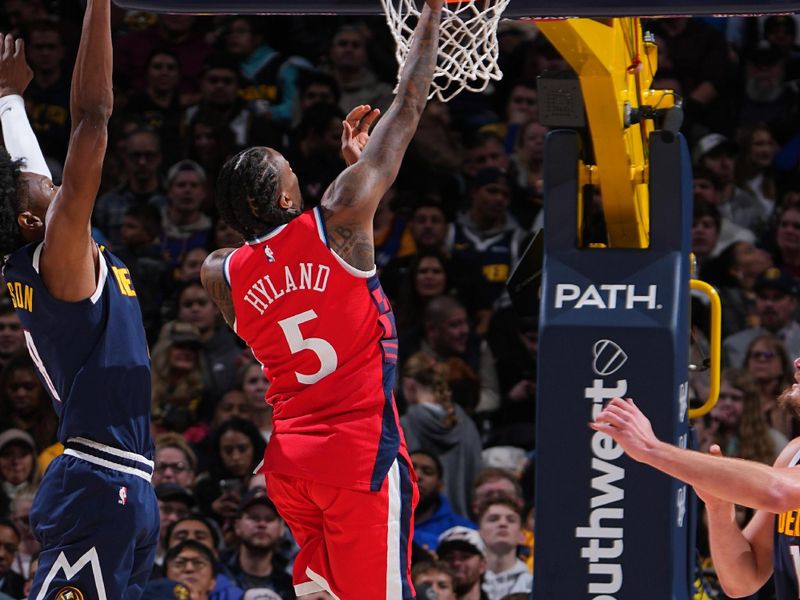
[{"x": 192, "y": 91}]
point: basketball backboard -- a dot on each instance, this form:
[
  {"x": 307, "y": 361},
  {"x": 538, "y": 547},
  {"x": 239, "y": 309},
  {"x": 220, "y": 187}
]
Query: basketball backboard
[{"x": 517, "y": 8}]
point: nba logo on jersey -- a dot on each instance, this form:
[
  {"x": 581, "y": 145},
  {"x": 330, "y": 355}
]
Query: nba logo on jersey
[
  {"x": 268, "y": 252},
  {"x": 123, "y": 495}
]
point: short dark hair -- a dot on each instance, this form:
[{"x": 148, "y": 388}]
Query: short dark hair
[
  {"x": 148, "y": 215},
  {"x": 5, "y": 522},
  {"x": 243, "y": 181},
  {"x": 499, "y": 499},
  {"x": 211, "y": 525},
  {"x": 704, "y": 208},
  {"x": 317, "y": 119},
  {"x": 10, "y": 234},
  {"x": 433, "y": 457},
  {"x": 175, "y": 551},
  {"x": 307, "y": 78}
]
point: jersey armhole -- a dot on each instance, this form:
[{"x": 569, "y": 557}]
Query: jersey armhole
[
  {"x": 102, "y": 274},
  {"x": 323, "y": 235},
  {"x": 226, "y": 268},
  {"x": 320, "y": 221}
]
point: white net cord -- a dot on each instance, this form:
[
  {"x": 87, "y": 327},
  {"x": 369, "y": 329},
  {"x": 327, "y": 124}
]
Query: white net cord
[{"x": 468, "y": 49}]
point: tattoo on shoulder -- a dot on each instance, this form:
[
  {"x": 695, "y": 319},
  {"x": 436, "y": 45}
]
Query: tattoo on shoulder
[{"x": 353, "y": 245}]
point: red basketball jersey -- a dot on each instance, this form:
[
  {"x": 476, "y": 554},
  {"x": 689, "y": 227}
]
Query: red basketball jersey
[{"x": 325, "y": 334}]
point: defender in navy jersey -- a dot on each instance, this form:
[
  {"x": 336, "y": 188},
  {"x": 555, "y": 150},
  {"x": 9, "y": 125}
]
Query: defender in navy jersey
[
  {"x": 770, "y": 543},
  {"x": 95, "y": 513}
]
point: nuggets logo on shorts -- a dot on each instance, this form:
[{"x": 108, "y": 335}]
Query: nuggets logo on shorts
[{"x": 69, "y": 593}]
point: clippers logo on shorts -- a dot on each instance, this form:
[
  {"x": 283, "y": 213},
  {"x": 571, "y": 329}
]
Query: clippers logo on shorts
[
  {"x": 123, "y": 495},
  {"x": 69, "y": 593}
]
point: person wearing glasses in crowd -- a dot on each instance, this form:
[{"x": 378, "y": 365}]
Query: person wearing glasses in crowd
[
  {"x": 175, "y": 461},
  {"x": 776, "y": 306},
  {"x": 192, "y": 564}
]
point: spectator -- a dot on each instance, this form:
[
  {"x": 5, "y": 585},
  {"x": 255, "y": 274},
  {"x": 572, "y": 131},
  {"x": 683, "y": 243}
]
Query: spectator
[
  {"x": 19, "y": 472},
  {"x": 435, "y": 423},
  {"x": 500, "y": 526},
  {"x": 220, "y": 350},
  {"x": 706, "y": 187},
  {"x": 11, "y": 583},
  {"x": 12, "y": 337},
  {"x": 348, "y": 63},
  {"x": 236, "y": 449},
  {"x": 315, "y": 151},
  {"x": 485, "y": 151},
  {"x": 706, "y": 225},
  {"x": 151, "y": 276},
  {"x": 192, "y": 264},
  {"x": 492, "y": 482},
  {"x": 178, "y": 393},
  {"x": 314, "y": 87},
  {"x": 184, "y": 225},
  {"x": 769, "y": 365},
  {"x": 433, "y": 581},
  {"x": 206, "y": 532},
  {"x": 463, "y": 550},
  {"x": 142, "y": 160},
  {"x": 527, "y": 173},
  {"x": 174, "y": 503},
  {"x": 175, "y": 461},
  {"x": 209, "y": 142},
  {"x": 268, "y": 74},
  {"x": 257, "y": 564},
  {"x": 768, "y": 97},
  {"x": 175, "y": 33},
  {"x": 738, "y": 423},
  {"x": 776, "y": 305},
  {"x": 47, "y": 96},
  {"x": 446, "y": 335},
  {"x": 29, "y": 546},
  {"x": 233, "y": 404},
  {"x": 23, "y": 402},
  {"x": 717, "y": 153},
  {"x": 254, "y": 385},
  {"x": 159, "y": 105},
  {"x": 521, "y": 107},
  {"x": 433, "y": 514},
  {"x": 487, "y": 234},
  {"x": 219, "y": 93},
  {"x": 787, "y": 239},
  {"x": 428, "y": 227},
  {"x": 437, "y": 142},
  {"x": 192, "y": 564},
  {"x": 754, "y": 171},
  {"x": 734, "y": 273}
]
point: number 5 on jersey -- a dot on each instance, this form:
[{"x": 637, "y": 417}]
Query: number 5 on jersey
[{"x": 324, "y": 351}]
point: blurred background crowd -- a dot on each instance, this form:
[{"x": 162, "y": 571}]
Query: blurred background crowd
[{"x": 192, "y": 91}]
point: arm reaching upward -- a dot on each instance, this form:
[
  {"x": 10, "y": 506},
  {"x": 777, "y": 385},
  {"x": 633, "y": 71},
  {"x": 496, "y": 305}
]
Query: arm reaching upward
[
  {"x": 69, "y": 255},
  {"x": 351, "y": 201}
]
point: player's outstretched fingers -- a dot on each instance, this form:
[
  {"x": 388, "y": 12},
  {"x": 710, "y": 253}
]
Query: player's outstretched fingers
[
  {"x": 368, "y": 120},
  {"x": 354, "y": 116},
  {"x": 8, "y": 46}
]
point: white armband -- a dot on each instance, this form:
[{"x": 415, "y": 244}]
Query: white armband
[{"x": 18, "y": 137}]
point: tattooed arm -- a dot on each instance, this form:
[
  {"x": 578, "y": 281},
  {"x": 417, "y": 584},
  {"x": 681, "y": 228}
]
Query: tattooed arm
[
  {"x": 350, "y": 202},
  {"x": 213, "y": 277}
]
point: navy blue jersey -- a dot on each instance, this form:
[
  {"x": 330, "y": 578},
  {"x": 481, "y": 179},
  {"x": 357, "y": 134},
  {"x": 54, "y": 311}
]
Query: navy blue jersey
[
  {"x": 92, "y": 355},
  {"x": 786, "y": 550}
]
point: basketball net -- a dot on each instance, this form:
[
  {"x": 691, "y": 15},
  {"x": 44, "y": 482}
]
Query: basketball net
[{"x": 468, "y": 48}]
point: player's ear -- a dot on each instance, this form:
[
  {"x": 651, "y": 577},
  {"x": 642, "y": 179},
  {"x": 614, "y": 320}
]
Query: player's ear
[
  {"x": 284, "y": 202},
  {"x": 28, "y": 222}
]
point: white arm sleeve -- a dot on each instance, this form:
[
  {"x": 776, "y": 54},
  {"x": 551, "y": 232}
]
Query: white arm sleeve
[{"x": 18, "y": 137}]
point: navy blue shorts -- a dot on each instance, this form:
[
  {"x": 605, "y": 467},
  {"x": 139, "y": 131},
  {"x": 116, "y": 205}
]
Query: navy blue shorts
[{"x": 98, "y": 527}]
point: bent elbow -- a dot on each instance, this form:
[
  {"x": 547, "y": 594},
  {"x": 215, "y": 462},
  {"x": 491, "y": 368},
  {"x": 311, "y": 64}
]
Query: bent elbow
[
  {"x": 783, "y": 496},
  {"x": 736, "y": 589}
]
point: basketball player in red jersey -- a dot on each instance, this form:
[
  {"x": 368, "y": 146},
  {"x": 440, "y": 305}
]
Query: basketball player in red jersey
[{"x": 304, "y": 294}]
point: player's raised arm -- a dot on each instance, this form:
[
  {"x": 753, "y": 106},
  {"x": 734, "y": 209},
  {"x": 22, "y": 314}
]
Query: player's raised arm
[
  {"x": 68, "y": 257},
  {"x": 353, "y": 198}
]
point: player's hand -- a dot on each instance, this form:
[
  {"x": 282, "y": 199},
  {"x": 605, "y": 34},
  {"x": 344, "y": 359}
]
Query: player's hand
[
  {"x": 15, "y": 74},
  {"x": 355, "y": 131},
  {"x": 435, "y": 4},
  {"x": 627, "y": 425}
]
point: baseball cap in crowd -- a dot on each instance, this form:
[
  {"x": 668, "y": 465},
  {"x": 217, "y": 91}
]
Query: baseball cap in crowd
[
  {"x": 713, "y": 142},
  {"x": 777, "y": 279},
  {"x": 261, "y": 594},
  {"x": 256, "y": 495},
  {"x": 165, "y": 589},
  {"x": 16, "y": 436},
  {"x": 173, "y": 491},
  {"x": 460, "y": 538},
  {"x": 486, "y": 177}
]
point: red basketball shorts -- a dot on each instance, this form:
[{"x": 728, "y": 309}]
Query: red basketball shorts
[{"x": 355, "y": 545}]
